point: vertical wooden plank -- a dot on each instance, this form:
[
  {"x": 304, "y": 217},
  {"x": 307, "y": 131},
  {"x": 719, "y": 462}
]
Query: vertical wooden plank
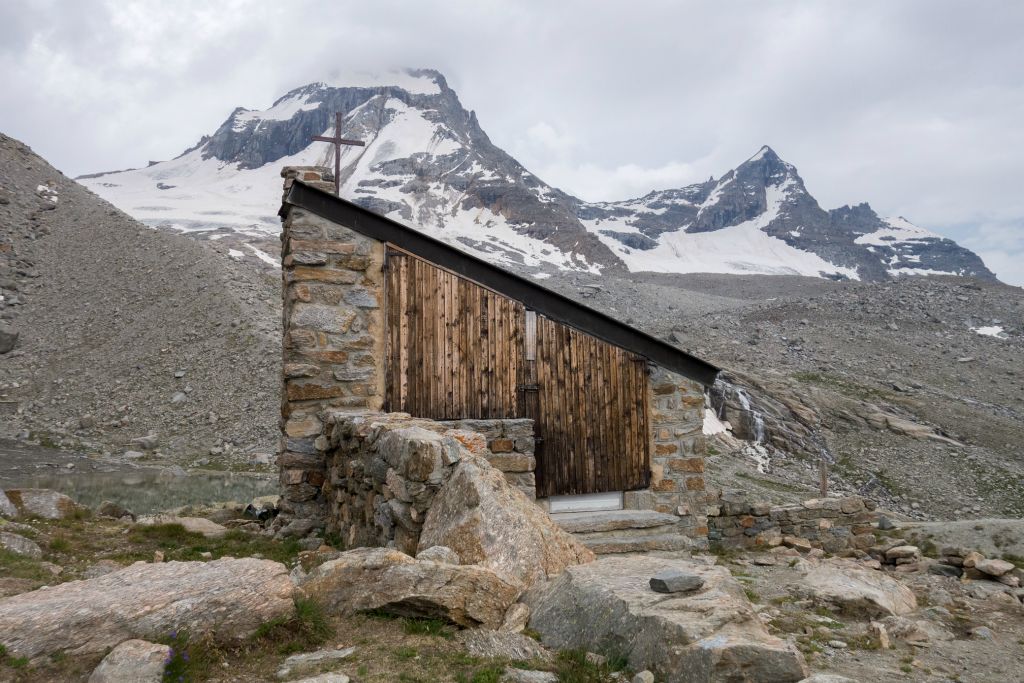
[
  {"x": 645, "y": 445},
  {"x": 449, "y": 348},
  {"x": 603, "y": 460},
  {"x": 567, "y": 433},
  {"x": 618, "y": 410},
  {"x": 403, "y": 332}
]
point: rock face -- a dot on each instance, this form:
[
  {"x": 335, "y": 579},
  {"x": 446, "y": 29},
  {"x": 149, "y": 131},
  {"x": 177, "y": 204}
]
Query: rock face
[
  {"x": 133, "y": 661},
  {"x": 147, "y": 601},
  {"x": 382, "y": 578},
  {"x": 484, "y": 519},
  {"x": 20, "y": 545},
  {"x": 709, "y": 635},
  {"x": 858, "y": 591},
  {"x": 42, "y": 503}
]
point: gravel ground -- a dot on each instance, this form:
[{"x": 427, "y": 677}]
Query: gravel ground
[{"x": 124, "y": 331}]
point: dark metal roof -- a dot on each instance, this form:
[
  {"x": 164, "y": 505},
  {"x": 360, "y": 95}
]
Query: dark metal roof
[{"x": 533, "y": 296}]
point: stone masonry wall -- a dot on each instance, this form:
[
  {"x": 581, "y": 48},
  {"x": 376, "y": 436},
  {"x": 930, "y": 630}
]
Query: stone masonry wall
[
  {"x": 333, "y": 343},
  {"x": 832, "y": 524},
  {"x": 677, "y": 451},
  {"x": 384, "y": 470}
]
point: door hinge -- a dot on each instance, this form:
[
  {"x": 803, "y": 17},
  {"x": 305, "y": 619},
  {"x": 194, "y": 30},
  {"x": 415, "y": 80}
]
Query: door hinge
[{"x": 528, "y": 387}]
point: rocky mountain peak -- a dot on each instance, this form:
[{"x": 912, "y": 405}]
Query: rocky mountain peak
[{"x": 429, "y": 163}]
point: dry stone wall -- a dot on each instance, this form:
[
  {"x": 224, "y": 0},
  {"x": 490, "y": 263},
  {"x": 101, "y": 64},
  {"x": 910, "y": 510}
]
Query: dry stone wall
[
  {"x": 509, "y": 448},
  {"x": 384, "y": 470},
  {"x": 832, "y": 524}
]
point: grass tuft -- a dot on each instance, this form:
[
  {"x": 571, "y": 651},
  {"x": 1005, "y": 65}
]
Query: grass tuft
[{"x": 307, "y": 629}]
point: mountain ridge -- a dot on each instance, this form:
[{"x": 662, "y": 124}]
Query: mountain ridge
[{"x": 428, "y": 162}]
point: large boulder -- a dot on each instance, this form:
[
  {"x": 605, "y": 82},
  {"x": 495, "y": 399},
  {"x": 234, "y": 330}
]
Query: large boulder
[
  {"x": 133, "y": 661},
  {"x": 386, "y": 579},
  {"x": 856, "y": 591},
  {"x": 20, "y": 545},
  {"x": 43, "y": 503},
  {"x": 227, "y": 599},
  {"x": 711, "y": 634},
  {"x": 489, "y": 522}
]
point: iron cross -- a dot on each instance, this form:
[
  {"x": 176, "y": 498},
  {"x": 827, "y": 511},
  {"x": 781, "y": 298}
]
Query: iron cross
[{"x": 338, "y": 141}]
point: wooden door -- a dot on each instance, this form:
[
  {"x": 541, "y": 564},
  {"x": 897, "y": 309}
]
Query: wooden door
[{"x": 590, "y": 413}]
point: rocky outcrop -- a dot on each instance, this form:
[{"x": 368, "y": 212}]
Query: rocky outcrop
[
  {"x": 386, "y": 579},
  {"x": 133, "y": 661},
  {"x": 227, "y": 599},
  {"x": 712, "y": 634},
  {"x": 488, "y": 522},
  {"x": 856, "y": 590},
  {"x": 42, "y": 503}
]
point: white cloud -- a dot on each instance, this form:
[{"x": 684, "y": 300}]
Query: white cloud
[{"x": 915, "y": 106}]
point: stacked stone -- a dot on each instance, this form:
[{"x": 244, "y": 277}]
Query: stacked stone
[
  {"x": 832, "y": 524},
  {"x": 385, "y": 469},
  {"x": 677, "y": 452},
  {"x": 957, "y": 561},
  {"x": 333, "y": 341},
  {"x": 509, "y": 448}
]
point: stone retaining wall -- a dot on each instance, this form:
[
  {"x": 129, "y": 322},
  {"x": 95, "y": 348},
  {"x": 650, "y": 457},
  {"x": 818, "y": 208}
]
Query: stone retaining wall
[
  {"x": 509, "y": 447},
  {"x": 385, "y": 468},
  {"x": 832, "y": 524}
]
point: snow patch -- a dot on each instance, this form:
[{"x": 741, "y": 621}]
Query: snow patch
[
  {"x": 283, "y": 110},
  {"x": 991, "y": 331},
  {"x": 712, "y": 425},
  {"x": 899, "y": 230},
  {"x": 264, "y": 256},
  {"x": 235, "y": 254},
  {"x": 739, "y": 249}
]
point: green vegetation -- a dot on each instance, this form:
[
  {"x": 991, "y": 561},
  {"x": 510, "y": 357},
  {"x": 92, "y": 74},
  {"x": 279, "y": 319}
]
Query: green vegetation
[
  {"x": 306, "y": 630},
  {"x": 13, "y": 662},
  {"x": 20, "y": 567},
  {"x": 426, "y": 627},
  {"x": 842, "y": 386},
  {"x": 179, "y": 544}
]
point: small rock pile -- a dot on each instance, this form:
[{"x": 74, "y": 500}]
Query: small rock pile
[{"x": 970, "y": 564}]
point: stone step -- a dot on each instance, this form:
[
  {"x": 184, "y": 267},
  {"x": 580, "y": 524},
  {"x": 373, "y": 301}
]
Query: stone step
[
  {"x": 612, "y": 520},
  {"x": 636, "y": 544}
]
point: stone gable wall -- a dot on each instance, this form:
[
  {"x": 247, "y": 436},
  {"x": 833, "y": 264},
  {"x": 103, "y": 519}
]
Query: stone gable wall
[{"x": 333, "y": 290}]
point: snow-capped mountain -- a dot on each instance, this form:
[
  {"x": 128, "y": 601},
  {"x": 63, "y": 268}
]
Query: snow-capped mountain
[{"x": 428, "y": 163}]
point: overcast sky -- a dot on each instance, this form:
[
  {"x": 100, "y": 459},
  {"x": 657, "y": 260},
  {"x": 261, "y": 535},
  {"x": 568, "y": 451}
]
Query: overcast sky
[{"x": 914, "y": 106}]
